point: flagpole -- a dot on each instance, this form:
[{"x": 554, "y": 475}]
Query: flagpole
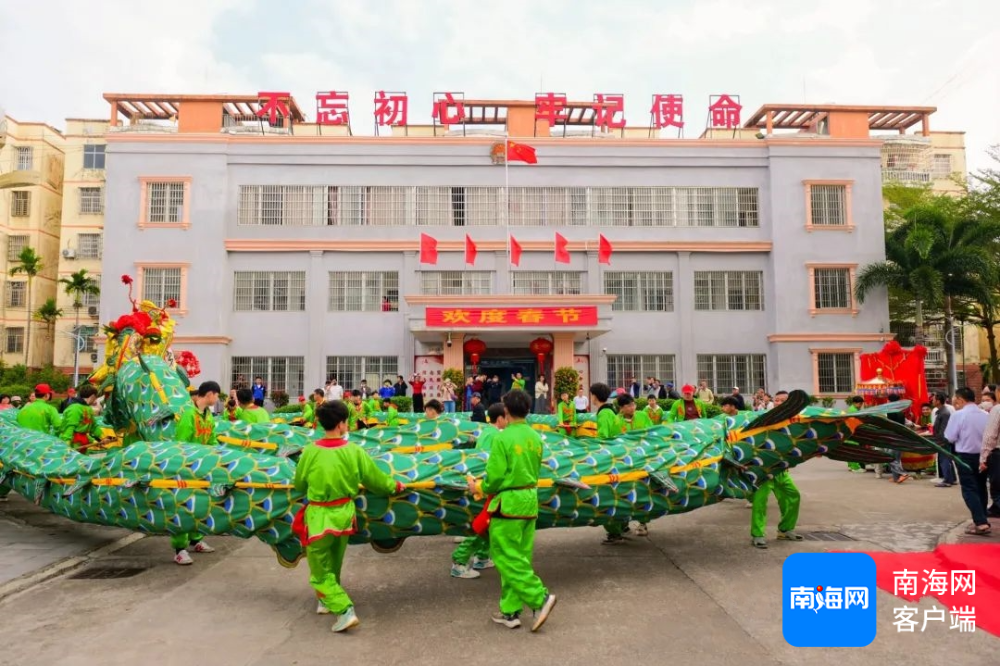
[{"x": 506, "y": 205}]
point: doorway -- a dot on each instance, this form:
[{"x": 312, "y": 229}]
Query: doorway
[{"x": 505, "y": 363}]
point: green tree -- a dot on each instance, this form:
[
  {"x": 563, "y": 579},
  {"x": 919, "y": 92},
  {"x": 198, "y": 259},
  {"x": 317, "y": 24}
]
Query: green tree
[
  {"x": 28, "y": 264},
  {"x": 941, "y": 257},
  {"x": 78, "y": 286},
  {"x": 49, "y": 312}
]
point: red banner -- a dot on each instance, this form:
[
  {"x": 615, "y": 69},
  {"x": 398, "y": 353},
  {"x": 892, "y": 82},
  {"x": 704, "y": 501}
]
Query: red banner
[{"x": 580, "y": 316}]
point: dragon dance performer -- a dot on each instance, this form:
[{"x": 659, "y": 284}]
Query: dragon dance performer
[
  {"x": 79, "y": 427},
  {"x": 567, "y": 413},
  {"x": 783, "y": 488},
  {"x": 38, "y": 415},
  {"x": 309, "y": 409},
  {"x": 249, "y": 411},
  {"x": 391, "y": 413},
  {"x": 511, "y": 482},
  {"x": 653, "y": 410},
  {"x": 608, "y": 427},
  {"x": 329, "y": 473},
  {"x": 197, "y": 426},
  {"x": 631, "y": 419},
  {"x": 477, "y": 547}
]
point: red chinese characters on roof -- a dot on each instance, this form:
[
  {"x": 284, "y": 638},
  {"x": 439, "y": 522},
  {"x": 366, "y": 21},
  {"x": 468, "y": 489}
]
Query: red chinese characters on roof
[
  {"x": 724, "y": 111},
  {"x": 667, "y": 111},
  {"x": 391, "y": 108},
  {"x": 331, "y": 108},
  {"x": 550, "y": 107},
  {"x": 609, "y": 111},
  {"x": 448, "y": 110},
  {"x": 273, "y": 105}
]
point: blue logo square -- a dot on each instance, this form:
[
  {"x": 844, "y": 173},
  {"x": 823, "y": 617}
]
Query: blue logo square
[{"x": 828, "y": 599}]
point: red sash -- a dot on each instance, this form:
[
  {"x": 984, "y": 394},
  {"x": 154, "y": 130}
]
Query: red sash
[
  {"x": 481, "y": 524},
  {"x": 299, "y": 527},
  {"x": 81, "y": 441}
]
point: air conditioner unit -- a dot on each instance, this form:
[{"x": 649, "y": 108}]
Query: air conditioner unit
[
  {"x": 92, "y": 311},
  {"x": 69, "y": 253},
  {"x": 93, "y": 357}
]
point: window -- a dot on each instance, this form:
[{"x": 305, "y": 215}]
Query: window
[
  {"x": 93, "y": 156},
  {"x": 89, "y": 334},
  {"x": 548, "y": 206},
  {"x": 941, "y": 165},
  {"x": 832, "y": 289},
  {"x": 90, "y": 246},
  {"x": 322, "y": 205},
  {"x": 725, "y": 371},
  {"x": 15, "y": 244},
  {"x": 645, "y": 291},
  {"x": 279, "y": 373},
  {"x": 456, "y": 282},
  {"x": 25, "y": 158},
  {"x": 370, "y": 291},
  {"x": 350, "y": 371},
  {"x": 547, "y": 282},
  {"x": 269, "y": 290},
  {"x": 729, "y": 290},
  {"x": 165, "y": 202},
  {"x": 828, "y": 205},
  {"x": 17, "y": 293},
  {"x": 92, "y": 301},
  {"x": 14, "y": 340},
  {"x": 20, "y": 204},
  {"x": 161, "y": 285},
  {"x": 623, "y": 367},
  {"x": 835, "y": 372},
  {"x": 91, "y": 201}
]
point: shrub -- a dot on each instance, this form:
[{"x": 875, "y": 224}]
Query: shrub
[
  {"x": 827, "y": 401},
  {"x": 290, "y": 409},
  {"x": 566, "y": 380},
  {"x": 51, "y": 376},
  {"x": 403, "y": 403},
  {"x": 21, "y": 390},
  {"x": 279, "y": 397},
  {"x": 456, "y": 376}
]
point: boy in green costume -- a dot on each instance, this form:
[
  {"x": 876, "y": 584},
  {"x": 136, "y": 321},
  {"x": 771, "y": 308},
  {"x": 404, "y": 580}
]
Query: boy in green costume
[
  {"x": 79, "y": 427},
  {"x": 630, "y": 419},
  {"x": 517, "y": 382},
  {"x": 309, "y": 409},
  {"x": 566, "y": 412},
  {"x": 249, "y": 411},
  {"x": 197, "y": 426},
  {"x": 477, "y": 548},
  {"x": 329, "y": 473},
  {"x": 39, "y": 415},
  {"x": 855, "y": 403},
  {"x": 512, "y": 483},
  {"x": 653, "y": 410},
  {"x": 391, "y": 413},
  {"x": 608, "y": 427}
]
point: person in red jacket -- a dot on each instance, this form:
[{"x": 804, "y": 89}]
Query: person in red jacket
[{"x": 417, "y": 384}]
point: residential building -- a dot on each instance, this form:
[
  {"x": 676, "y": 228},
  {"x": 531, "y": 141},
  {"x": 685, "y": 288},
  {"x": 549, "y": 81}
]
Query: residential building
[
  {"x": 31, "y": 186},
  {"x": 293, "y": 251}
]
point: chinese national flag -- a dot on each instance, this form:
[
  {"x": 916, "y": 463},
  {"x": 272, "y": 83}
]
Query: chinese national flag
[
  {"x": 470, "y": 251},
  {"x": 428, "y": 249},
  {"x": 562, "y": 252},
  {"x": 515, "y": 252},
  {"x": 604, "y": 251},
  {"x": 521, "y": 153}
]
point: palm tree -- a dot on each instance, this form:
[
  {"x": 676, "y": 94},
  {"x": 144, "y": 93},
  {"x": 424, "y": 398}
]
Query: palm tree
[
  {"x": 49, "y": 313},
  {"x": 78, "y": 286},
  {"x": 936, "y": 255},
  {"x": 29, "y": 264}
]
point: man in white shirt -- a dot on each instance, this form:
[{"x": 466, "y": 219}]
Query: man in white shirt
[
  {"x": 580, "y": 401},
  {"x": 334, "y": 392},
  {"x": 966, "y": 429}
]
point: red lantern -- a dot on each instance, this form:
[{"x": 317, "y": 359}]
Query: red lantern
[
  {"x": 474, "y": 347},
  {"x": 541, "y": 347}
]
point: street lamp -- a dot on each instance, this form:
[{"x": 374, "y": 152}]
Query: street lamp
[{"x": 81, "y": 343}]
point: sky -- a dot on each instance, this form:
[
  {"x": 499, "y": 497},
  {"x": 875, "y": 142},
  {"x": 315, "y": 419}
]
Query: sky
[{"x": 60, "y": 56}]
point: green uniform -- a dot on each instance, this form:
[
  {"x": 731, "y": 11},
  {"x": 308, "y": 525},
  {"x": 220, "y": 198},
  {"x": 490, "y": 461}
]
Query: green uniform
[
  {"x": 788, "y": 503},
  {"x": 639, "y": 421},
  {"x": 517, "y": 384},
  {"x": 392, "y": 416},
  {"x": 197, "y": 427},
  {"x": 852, "y": 465},
  {"x": 476, "y": 545},
  {"x": 655, "y": 414},
  {"x": 512, "y": 479},
  {"x": 79, "y": 428},
  {"x": 309, "y": 414},
  {"x": 253, "y": 414},
  {"x": 352, "y": 416},
  {"x": 329, "y": 474},
  {"x": 39, "y": 416},
  {"x": 567, "y": 413},
  {"x": 607, "y": 423},
  {"x": 677, "y": 410}
]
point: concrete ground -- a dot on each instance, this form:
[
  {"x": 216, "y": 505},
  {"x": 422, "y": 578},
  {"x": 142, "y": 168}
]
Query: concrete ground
[{"x": 694, "y": 592}]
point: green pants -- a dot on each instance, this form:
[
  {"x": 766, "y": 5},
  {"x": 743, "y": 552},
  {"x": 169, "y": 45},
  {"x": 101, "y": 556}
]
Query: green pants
[
  {"x": 184, "y": 540},
  {"x": 471, "y": 546},
  {"x": 851, "y": 465},
  {"x": 788, "y": 503},
  {"x": 326, "y": 557},
  {"x": 512, "y": 542}
]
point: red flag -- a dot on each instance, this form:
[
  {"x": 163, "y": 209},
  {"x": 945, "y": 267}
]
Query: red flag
[
  {"x": 521, "y": 153},
  {"x": 515, "y": 252},
  {"x": 604, "y": 251},
  {"x": 428, "y": 249},
  {"x": 562, "y": 253},
  {"x": 470, "y": 251}
]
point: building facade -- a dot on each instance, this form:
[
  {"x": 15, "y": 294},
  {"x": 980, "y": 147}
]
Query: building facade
[
  {"x": 31, "y": 192},
  {"x": 295, "y": 256}
]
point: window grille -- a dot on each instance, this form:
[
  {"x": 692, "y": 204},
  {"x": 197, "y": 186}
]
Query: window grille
[
  {"x": 832, "y": 288},
  {"x": 456, "y": 282},
  {"x": 90, "y": 246},
  {"x": 164, "y": 202},
  {"x": 161, "y": 285},
  {"x": 623, "y": 367},
  {"x": 729, "y": 290},
  {"x": 269, "y": 291},
  {"x": 364, "y": 291},
  {"x": 15, "y": 244},
  {"x": 941, "y": 165},
  {"x": 20, "y": 204},
  {"x": 836, "y": 372},
  {"x": 725, "y": 371},
  {"x": 14, "y": 340},
  {"x": 350, "y": 371},
  {"x": 547, "y": 282},
  {"x": 279, "y": 373},
  {"x": 91, "y": 201},
  {"x": 641, "y": 291},
  {"x": 25, "y": 158},
  {"x": 828, "y": 204},
  {"x": 89, "y": 301},
  {"x": 17, "y": 293}
]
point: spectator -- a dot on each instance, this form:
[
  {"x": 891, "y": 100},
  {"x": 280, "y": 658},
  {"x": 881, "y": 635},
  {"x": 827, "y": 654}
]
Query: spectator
[
  {"x": 740, "y": 401},
  {"x": 896, "y": 466},
  {"x": 469, "y": 391},
  {"x": 259, "y": 390},
  {"x": 966, "y": 430},
  {"x": 688, "y": 407},
  {"x": 635, "y": 389},
  {"x": 417, "y": 383},
  {"x": 989, "y": 460},
  {"x": 541, "y": 397},
  {"x": 387, "y": 305},
  {"x": 705, "y": 394},
  {"x": 924, "y": 421},
  {"x": 433, "y": 409},
  {"x": 386, "y": 392},
  {"x": 400, "y": 386},
  {"x": 478, "y": 409},
  {"x": 5, "y": 403},
  {"x": 365, "y": 390},
  {"x": 334, "y": 392},
  {"x": 581, "y": 402},
  {"x": 987, "y": 400},
  {"x": 668, "y": 391},
  {"x": 780, "y": 397},
  {"x": 855, "y": 403},
  {"x": 69, "y": 400},
  {"x": 448, "y": 393},
  {"x": 494, "y": 390},
  {"x": 729, "y": 406},
  {"x": 946, "y": 467}
]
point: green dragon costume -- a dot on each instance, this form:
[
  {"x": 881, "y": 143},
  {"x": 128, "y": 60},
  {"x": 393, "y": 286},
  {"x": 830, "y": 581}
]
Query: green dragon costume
[{"x": 244, "y": 486}]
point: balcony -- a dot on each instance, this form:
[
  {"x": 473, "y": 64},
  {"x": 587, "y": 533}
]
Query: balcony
[
  {"x": 14, "y": 175},
  {"x": 905, "y": 176},
  {"x": 906, "y": 159},
  {"x": 146, "y": 126}
]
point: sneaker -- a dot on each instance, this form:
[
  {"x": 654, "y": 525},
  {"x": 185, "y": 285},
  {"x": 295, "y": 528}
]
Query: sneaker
[
  {"x": 182, "y": 557},
  {"x": 481, "y": 563},
  {"x": 458, "y": 540},
  {"x": 321, "y": 608},
  {"x": 203, "y": 548},
  {"x": 463, "y": 572},
  {"x": 542, "y": 614},
  {"x": 642, "y": 530},
  {"x": 790, "y": 535},
  {"x": 346, "y": 621},
  {"x": 942, "y": 485},
  {"x": 759, "y": 542},
  {"x": 511, "y": 621},
  {"x": 613, "y": 539}
]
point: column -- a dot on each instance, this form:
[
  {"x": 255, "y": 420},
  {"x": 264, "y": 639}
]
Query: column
[
  {"x": 687, "y": 367},
  {"x": 454, "y": 357},
  {"x": 563, "y": 349},
  {"x": 316, "y": 304}
]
